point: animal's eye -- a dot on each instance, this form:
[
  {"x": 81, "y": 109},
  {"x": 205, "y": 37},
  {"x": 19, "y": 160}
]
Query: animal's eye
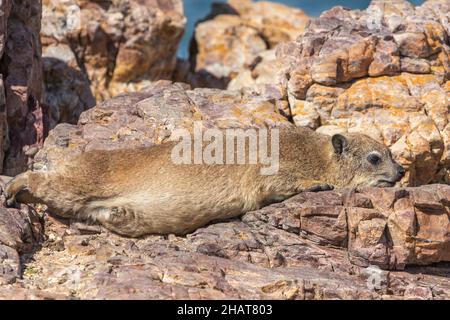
[{"x": 374, "y": 158}]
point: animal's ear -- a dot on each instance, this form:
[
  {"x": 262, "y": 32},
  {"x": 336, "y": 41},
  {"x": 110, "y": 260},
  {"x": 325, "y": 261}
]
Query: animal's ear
[{"x": 339, "y": 143}]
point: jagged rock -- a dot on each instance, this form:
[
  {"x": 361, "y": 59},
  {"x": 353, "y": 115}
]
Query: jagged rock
[
  {"x": 389, "y": 227},
  {"x": 383, "y": 71},
  {"x": 225, "y": 45},
  {"x": 27, "y": 294},
  {"x": 341, "y": 45},
  {"x": 231, "y": 38},
  {"x": 21, "y": 114},
  {"x": 119, "y": 46},
  {"x": 262, "y": 72},
  {"x": 21, "y": 231},
  {"x": 9, "y": 265},
  {"x": 327, "y": 245},
  {"x": 276, "y": 22},
  {"x": 311, "y": 246},
  {"x": 263, "y": 78},
  {"x": 66, "y": 88}
]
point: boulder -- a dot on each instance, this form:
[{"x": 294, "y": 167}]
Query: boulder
[
  {"x": 387, "y": 227},
  {"x": 231, "y": 38},
  {"x": 115, "y": 46},
  {"x": 21, "y": 111},
  {"x": 328, "y": 245},
  {"x": 21, "y": 232},
  {"x": 67, "y": 92},
  {"x": 264, "y": 77},
  {"x": 382, "y": 71}
]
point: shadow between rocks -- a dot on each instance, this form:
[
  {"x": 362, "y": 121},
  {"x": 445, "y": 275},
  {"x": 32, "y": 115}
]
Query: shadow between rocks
[{"x": 67, "y": 93}]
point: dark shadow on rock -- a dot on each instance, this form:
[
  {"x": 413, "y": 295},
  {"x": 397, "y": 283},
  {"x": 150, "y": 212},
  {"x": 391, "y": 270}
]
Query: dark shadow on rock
[
  {"x": 203, "y": 78},
  {"x": 67, "y": 93}
]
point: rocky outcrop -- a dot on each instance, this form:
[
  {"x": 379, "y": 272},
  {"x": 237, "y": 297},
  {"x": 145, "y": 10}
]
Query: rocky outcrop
[
  {"x": 327, "y": 245},
  {"x": 111, "y": 46},
  {"x": 383, "y": 71},
  {"x": 371, "y": 243},
  {"x": 21, "y": 232},
  {"x": 234, "y": 34},
  {"x": 390, "y": 228},
  {"x": 67, "y": 91},
  {"x": 265, "y": 76},
  {"x": 21, "y": 114}
]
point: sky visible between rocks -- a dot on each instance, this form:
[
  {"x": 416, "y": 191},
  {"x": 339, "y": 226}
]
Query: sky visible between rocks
[{"x": 198, "y": 9}]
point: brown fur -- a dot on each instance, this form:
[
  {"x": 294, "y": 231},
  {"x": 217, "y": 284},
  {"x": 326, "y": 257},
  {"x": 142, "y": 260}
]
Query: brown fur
[{"x": 141, "y": 191}]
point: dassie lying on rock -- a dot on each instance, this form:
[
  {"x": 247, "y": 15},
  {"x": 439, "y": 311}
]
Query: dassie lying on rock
[{"x": 142, "y": 191}]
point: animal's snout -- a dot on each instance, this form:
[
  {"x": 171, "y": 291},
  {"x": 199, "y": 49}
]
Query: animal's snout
[{"x": 400, "y": 172}]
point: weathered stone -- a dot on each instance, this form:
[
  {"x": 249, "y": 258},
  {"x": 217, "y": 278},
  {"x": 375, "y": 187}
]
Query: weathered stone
[
  {"x": 390, "y": 227},
  {"x": 276, "y": 22},
  {"x": 119, "y": 46},
  {"x": 67, "y": 93},
  {"x": 29, "y": 294},
  {"x": 415, "y": 65},
  {"x": 9, "y": 265},
  {"x": 21, "y": 231},
  {"x": 386, "y": 59},
  {"x": 341, "y": 62},
  {"x": 302, "y": 248},
  {"x": 234, "y": 36},
  {"x": 21, "y": 114},
  {"x": 381, "y": 71},
  {"x": 226, "y": 45},
  {"x": 261, "y": 72}
]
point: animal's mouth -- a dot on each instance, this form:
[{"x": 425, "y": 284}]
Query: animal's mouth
[{"x": 385, "y": 183}]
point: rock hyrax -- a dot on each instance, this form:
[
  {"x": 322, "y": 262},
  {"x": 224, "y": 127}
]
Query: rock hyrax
[{"x": 141, "y": 191}]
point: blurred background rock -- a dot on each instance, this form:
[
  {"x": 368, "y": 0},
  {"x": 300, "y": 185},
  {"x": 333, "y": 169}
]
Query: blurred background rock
[{"x": 196, "y": 10}]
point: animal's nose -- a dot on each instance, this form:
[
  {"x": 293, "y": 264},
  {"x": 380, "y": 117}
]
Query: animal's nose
[{"x": 400, "y": 171}]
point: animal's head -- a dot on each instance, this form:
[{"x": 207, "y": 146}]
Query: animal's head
[{"x": 365, "y": 162}]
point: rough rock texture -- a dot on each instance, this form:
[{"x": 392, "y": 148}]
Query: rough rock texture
[
  {"x": 21, "y": 231},
  {"x": 150, "y": 116},
  {"x": 115, "y": 46},
  {"x": 262, "y": 72},
  {"x": 264, "y": 77},
  {"x": 383, "y": 71},
  {"x": 67, "y": 91},
  {"x": 390, "y": 228},
  {"x": 231, "y": 37},
  {"x": 313, "y": 246},
  {"x": 21, "y": 114}
]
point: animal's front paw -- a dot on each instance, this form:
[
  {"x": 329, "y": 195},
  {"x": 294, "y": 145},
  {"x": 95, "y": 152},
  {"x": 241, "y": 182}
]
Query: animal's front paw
[
  {"x": 320, "y": 187},
  {"x": 10, "y": 195},
  {"x": 10, "y": 199},
  {"x": 14, "y": 187}
]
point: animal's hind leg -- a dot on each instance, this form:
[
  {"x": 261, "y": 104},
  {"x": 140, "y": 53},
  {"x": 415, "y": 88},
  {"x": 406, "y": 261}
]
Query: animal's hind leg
[
  {"x": 18, "y": 189},
  {"x": 118, "y": 219}
]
